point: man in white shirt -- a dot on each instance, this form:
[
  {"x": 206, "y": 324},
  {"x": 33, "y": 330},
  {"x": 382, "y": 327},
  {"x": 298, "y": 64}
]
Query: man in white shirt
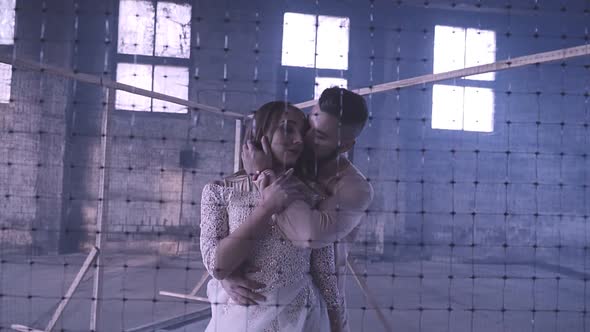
[{"x": 335, "y": 122}]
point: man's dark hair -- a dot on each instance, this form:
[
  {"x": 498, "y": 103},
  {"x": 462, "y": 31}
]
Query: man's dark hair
[{"x": 348, "y": 107}]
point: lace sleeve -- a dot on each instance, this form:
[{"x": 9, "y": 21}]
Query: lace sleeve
[
  {"x": 214, "y": 224},
  {"x": 323, "y": 273}
]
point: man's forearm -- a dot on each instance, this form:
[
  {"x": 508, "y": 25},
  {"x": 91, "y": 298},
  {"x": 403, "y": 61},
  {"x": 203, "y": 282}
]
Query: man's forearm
[
  {"x": 307, "y": 227},
  {"x": 316, "y": 228},
  {"x": 233, "y": 250}
]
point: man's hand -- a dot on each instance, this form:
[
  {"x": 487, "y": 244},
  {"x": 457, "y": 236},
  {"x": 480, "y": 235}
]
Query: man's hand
[
  {"x": 241, "y": 289},
  {"x": 285, "y": 190},
  {"x": 254, "y": 159}
]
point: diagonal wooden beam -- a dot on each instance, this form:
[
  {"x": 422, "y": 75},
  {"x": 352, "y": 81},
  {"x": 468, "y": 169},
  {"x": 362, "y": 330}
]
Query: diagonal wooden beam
[
  {"x": 22, "y": 328},
  {"x": 185, "y": 296},
  {"x": 531, "y": 59},
  {"x": 64, "y": 302},
  {"x": 200, "y": 284},
  {"x": 108, "y": 83}
]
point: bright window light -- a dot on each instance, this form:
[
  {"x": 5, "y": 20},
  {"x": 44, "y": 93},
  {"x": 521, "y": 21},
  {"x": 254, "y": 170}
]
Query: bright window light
[
  {"x": 322, "y": 83},
  {"x": 480, "y": 50},
  {"x": 299, "y": 40},
  {"x": 332, "y": 45},
  {"x": 173, "y": 30},
  {"x": 457, "y": 48},
  {"x": 5, "y": 82},
  {"x": 7, "y": 20},
  {"x": 139, "y": 76},
  {"x": 449, "y": 49},
  {"x": 456, "y": 107},
  {"x": 459, "y": 108},
  {"x": 171, "y": 81},
  {"x": 157, "y": 30},
  {"x": 168, "y": 80},
  {"x": 447, "y": 107},
  {"x": 324, "y": 46},
  {"x": 478, "y": 110},
  {"x": 139, "y": 19},
  {"x": 136, "y": 27}
]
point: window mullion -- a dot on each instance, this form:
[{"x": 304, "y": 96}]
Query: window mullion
[{"x": 154, "y": 52}]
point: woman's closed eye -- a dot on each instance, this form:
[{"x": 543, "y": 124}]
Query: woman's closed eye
[
  {"x": 320, "y": 137},
  {"x": 289, "y": 128}
]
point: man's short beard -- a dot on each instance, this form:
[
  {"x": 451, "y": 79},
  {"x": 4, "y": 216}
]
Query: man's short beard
[
  {"x": 329, "y": 157},
  {"x": 313, "y": 163}
]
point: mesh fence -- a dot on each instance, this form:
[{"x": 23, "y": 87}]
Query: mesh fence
[{"x": 116, "y": 114}]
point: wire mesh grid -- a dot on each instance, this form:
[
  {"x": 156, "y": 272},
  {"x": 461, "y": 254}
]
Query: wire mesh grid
[{"x": 474, "y": 225}]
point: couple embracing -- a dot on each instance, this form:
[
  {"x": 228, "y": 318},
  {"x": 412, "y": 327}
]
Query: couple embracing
[{"x": 274, "y": 235}]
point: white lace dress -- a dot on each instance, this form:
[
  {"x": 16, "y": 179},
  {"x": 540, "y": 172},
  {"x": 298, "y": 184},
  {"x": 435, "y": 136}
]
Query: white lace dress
[{"x": 300, "y": 283}]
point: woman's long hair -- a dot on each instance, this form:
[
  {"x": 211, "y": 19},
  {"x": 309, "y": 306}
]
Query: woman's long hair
[{"x": 264, "y": 123}]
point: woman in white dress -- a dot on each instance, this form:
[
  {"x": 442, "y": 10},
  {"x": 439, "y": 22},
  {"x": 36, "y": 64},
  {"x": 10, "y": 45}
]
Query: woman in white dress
[{"x": 300, "y": 285}]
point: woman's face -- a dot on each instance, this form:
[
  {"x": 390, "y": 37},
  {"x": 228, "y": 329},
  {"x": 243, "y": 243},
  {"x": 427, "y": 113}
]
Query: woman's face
[{"x": 287, "y": 140}]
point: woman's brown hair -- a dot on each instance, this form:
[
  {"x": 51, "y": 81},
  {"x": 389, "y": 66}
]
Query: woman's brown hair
[{"x": 264, "y": 123}]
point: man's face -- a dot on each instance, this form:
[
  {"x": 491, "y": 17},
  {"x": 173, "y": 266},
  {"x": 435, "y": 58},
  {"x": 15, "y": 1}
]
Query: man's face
[{"x": 323, "y": 137}]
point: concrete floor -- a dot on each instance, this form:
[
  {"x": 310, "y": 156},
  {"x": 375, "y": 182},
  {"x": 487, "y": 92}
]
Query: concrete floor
[{"x": 31, "y": 291}]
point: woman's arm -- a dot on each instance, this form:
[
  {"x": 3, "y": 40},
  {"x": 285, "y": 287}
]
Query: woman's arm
[
  {"x": 223, "y": 252},
  {"x": 235, "y": 248},
  {"x": 214, "y": 224},
  {"x": 323, "y": 273}
]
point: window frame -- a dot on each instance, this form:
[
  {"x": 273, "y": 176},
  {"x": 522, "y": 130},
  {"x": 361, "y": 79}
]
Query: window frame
[
  {"x": 9, "y": 49},
  {"x": 466, "y": 82},
  {"x": 153, "y": 60},
  {"x": 303, "y": 76},
  {"x": 316, "y": 36}
]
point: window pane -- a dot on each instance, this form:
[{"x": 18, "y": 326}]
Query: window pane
[
  {"x": 449, "y": 48},
  {"x": 332, "y": 47},
  {"x": 136, "y": 75},
  {"x": 171, "y": 81},
  {"x": 136, "y": 27},
  {"x": 7, "y": 19},
  {"x": 480, "y": 50},
  {"x": 447, "y": 107},
  {"x": 173, "y": 30},
  {"x": 322, "y": 83},
  {"x": 298, "y": 40},
  {"x": 5, "y": 80},
  {"x": 470, "y": 109},
  {"x": 479, "y": 110}
]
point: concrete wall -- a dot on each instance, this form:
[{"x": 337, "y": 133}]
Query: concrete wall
[
  {"x": 33, "y": 131},
  {"x": 493, "y": 203},
  {"x": 152, "y": 199}
]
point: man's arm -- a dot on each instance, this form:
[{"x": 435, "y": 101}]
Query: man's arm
[
  {"x": 256, "y": 160},
  {"x": 241, "y": 288},
  {"x": 235, "y": 248},
  {"x": 332, "y": 220}
]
